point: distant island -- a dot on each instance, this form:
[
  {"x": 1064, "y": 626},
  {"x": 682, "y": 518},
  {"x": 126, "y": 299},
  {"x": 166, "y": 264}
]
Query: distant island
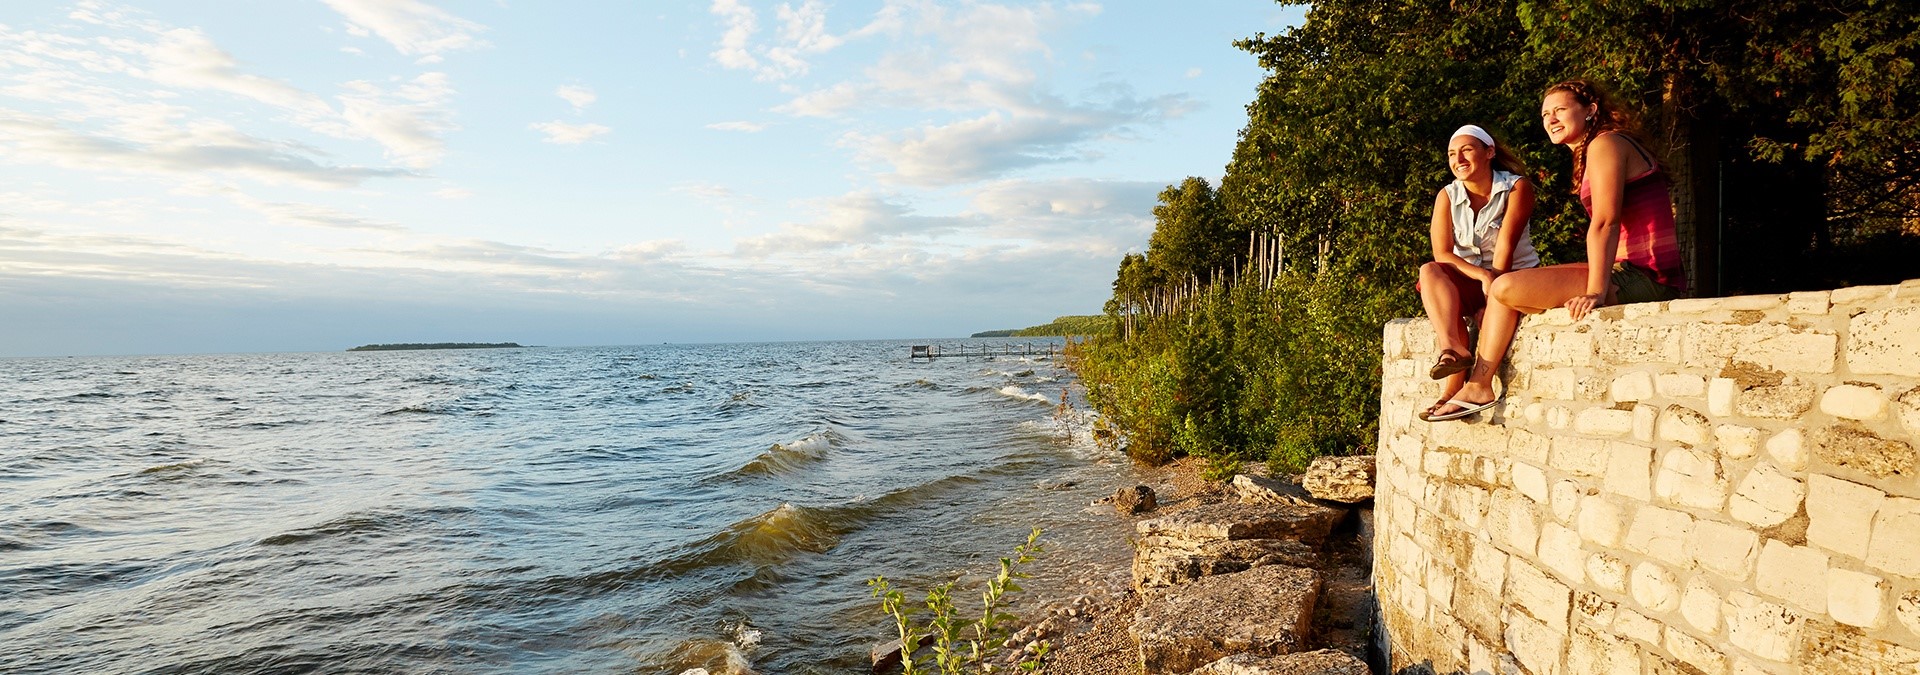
[
  {"x": 1066, "y": 325},
  {"x": 436, "y": 345}
]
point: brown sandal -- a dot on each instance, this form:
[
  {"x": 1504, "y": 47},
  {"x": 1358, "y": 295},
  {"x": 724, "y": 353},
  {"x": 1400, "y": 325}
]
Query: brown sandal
[{"x": 1450, "y": 362}]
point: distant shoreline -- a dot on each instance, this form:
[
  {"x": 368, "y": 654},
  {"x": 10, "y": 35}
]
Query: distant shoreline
[{"x": 402, "y": 346}]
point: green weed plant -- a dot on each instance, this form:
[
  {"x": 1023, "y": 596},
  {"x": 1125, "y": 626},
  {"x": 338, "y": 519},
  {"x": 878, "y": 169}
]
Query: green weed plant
[{"x": 960, "y": 644}]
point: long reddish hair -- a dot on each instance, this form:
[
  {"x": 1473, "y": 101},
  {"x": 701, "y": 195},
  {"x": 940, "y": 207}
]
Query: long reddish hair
[{"x": 1608, "y": 116}]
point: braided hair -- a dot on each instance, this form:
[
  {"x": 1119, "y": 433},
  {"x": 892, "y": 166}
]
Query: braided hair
[{"x": 1607, "y": 116}]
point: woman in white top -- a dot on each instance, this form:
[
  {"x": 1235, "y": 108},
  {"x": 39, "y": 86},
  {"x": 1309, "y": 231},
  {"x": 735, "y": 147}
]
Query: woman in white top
[{"x": 1479, "y": 233}]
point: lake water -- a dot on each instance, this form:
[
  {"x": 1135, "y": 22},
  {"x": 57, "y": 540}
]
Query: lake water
[{"x": 622, "y": 509}]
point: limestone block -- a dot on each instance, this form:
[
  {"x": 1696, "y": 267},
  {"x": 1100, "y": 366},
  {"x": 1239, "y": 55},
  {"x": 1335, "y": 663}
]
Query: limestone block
[
  {"x": 1769, "y": 631},
  {"x": 1557, "y": 316},
  {"x": 1603, "y": 422},
  {"x": 1480, "y": 655},
  {"x": 1560, "y": 551},
  {"x": 1655, "y": 588},
  {"x": 1908, "y": 405},
  {"x": 1680, "y": 385},
  {"x": 1341, "y": 479},
  {"x": 1641, "y": 310},
  {"x": 1559, "y": 417},
  {"x": 1537, "y": 646},
  {"x": 1305, "y": 522},
  {"x": 1623, "y": 342},
  {"x": 1534, "y": 413},
  {"x": 1895, "y": 547},
  {"x": 1827, "y": 648},
  {"x": 1266, "y": 610},
  {"x": 1590, "y": 651},
  {"x": 1572, "y": 349},
  {"x": 1908, "y": 610},
  {"x": 1559, "y": 384},
  {"x": 1720, "y": 393},
  {"x": 1159, "y": 562},
  {"x": 1841, "y": 514},
  {"x": 1629, "y": 471},
  {"x": 1600, "y": 521},
  {"x": 1644, "y": 416},
  {"x": 1608, "y": 572},
  {"x": 1637, "y": 626},
  {"x": 1538, "y": 594},
  {"x": 1479, "y": 611},
  {"x": 1776, "y": 345},
  {"x": 1527, "y": 446},
  {"x": 1723, "y": 549},
  {"x": 1789, "y": 449},
  {"x": 1580, "y": 456},
  {"x": 1634, "y": 386},
  {"x": 1786, "y": 400},
  {"x": 1530, "y": 481},
  {"x": 1737, "y": 442},
  {"x": 1692, "y": 478},
  {"x": 1439, "y": 583},
  {"x": 1810, "y": 303},
  {"x": 1322, "y": 662},
  {"x": 1661, "y": 534},
  {"x": 1796, "y": 574},
  {"x": 1566, "y": 496},
  {"x": 1857, "y": 598},
  {"x": 1436, "y": 463},
  {"x": 1684, "y": 425},
  {"x": 1487, "y": 568},
  {"x": 1766, "y": 497},
  {"x": 1854, "y": 402},
  {"x": 1468, "y": 504},
  {"x": 1700, "y": 606},
  {"x": 1884, "y": 342},
  {"x": 1694, "y": 652},
  {"x": 1514, "y": 521},
  {"x": 1393, "y": 340},
  {"x": 1858, "y": 448}
]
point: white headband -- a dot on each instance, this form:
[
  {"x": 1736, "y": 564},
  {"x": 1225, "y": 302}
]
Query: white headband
[{"x": 1474, "y": 131}]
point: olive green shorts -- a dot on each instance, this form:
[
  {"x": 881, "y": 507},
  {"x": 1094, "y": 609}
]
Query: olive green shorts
[{"x": 1633, "y": 284}]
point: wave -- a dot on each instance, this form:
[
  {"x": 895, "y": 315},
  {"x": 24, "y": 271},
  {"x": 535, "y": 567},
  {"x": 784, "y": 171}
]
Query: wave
[
  {"x": 783, "y": 458},
  {"x": 1014, "y": 391},
  {"x": 362, "y": 523}
]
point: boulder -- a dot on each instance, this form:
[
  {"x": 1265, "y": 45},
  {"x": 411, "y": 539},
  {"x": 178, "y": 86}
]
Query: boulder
[
  {"x": 1264, "y": 611},
  {"x": 1323, "y": 662},
  {"x": 1159, "y": 562},
  {"x": 1305, "y": 522},
  {"x": 1347, "y": 480},
  {"x": 1255, "y": 489},
  {"x": 1136, "y": 499}
]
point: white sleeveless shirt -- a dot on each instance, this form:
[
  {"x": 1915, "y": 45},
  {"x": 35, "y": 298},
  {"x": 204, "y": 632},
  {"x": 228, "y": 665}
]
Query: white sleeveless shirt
[{"x": 1476, "y": 233}]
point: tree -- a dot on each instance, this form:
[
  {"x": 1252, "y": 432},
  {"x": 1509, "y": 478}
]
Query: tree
[{"x": 1192, "y": 235}]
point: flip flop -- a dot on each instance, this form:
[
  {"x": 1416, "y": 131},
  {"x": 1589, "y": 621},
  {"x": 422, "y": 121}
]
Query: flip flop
[
  {"x": 1467, "y": 408},
  {"x": 1450, "y": 362}
]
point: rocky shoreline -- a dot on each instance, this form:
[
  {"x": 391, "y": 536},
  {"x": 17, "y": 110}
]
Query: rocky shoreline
[{"x": 1259, "y": 575}]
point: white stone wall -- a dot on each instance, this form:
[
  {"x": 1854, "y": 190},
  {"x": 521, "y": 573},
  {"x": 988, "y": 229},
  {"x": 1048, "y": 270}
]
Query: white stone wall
[{"x": 1727, "y": 486}]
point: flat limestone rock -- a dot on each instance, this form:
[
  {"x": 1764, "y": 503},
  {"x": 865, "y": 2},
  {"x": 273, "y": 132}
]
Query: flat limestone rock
[
  {"x": 1323, "y": 662},
  {"x": 1252, "y": 489},
  {"x": 1309, "y": 523},
  {"x": 1342, "y": 479},
  {"x": 1160, "y": 562},
  {"x": 1263, "y": 611}
]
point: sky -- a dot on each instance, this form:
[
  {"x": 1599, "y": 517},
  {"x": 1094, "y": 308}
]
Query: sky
[{"x": 226, "y": 176}]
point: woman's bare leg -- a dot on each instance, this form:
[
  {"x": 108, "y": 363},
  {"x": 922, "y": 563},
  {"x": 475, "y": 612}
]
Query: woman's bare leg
[
  {"x": 1524, "y": 291},
  {"x": 1441, "y": 297}
]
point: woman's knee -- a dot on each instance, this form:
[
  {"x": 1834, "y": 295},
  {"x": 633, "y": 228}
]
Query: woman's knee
[{"x": 1507, "y": 287}]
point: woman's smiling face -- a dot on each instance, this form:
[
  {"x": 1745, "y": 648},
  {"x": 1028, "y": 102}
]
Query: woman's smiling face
[
  {"x": 1563, "y": 117},
  {"x": 1468, "y": 157}
]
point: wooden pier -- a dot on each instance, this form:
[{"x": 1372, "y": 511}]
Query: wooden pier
[{"x": 1047, "y": 349}]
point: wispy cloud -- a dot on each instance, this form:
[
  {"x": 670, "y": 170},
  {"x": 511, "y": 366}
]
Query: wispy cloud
[
  {"x": 848, "y": 220},
  {"x": 411, "y": 26},
  {"x": 565, "y": 133},
  {"x": 577, "y": 96},
  {"x": 803, "y": 32},
  {"x": 746, "y": 127}
]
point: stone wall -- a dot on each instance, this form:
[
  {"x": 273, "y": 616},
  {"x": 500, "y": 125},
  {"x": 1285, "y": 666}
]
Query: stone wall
[{"x": 1723, "y": 486}]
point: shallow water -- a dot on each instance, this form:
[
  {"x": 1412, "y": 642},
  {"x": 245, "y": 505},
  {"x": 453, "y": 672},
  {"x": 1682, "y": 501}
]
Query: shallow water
[{"x": 623, "y": 509}]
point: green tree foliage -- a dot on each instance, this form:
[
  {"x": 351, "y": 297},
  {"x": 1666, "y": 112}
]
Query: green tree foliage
[{"x": 1801, "y": 117}]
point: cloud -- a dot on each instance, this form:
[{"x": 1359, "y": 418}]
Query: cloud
[
  {"x": 849, "y": 220},
  {"x": 579, "y": 97},
  {"x": 999, "y": 142},
  {"x": 411, "y": 26},
  {"x": 410, "y": 121},
  {"x": 1193, "y": 73},
  {"x": 453, "y": 193},
  {"x": 803, "y": 32},
  {"x": 562, "y": 133},
  {"x": 186, "y": 152},
  {"x": 185, "y": 57},
  {"x": 746, "y": 127},
  {"x": 733, "y": 51}
]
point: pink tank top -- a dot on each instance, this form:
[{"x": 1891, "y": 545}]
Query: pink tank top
[{"x": 1648, "y": 236}]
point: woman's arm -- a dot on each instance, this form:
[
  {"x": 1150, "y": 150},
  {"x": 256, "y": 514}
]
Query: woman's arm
[
  {"x": 1513, "y": 226},
  {"x": 1607, "y": 180},
  {"x": 1442, "y": 236}
]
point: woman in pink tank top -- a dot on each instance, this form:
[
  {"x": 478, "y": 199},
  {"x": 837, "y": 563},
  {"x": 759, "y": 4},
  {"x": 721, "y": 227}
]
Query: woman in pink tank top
[{"x": 1632, "y": 252}]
